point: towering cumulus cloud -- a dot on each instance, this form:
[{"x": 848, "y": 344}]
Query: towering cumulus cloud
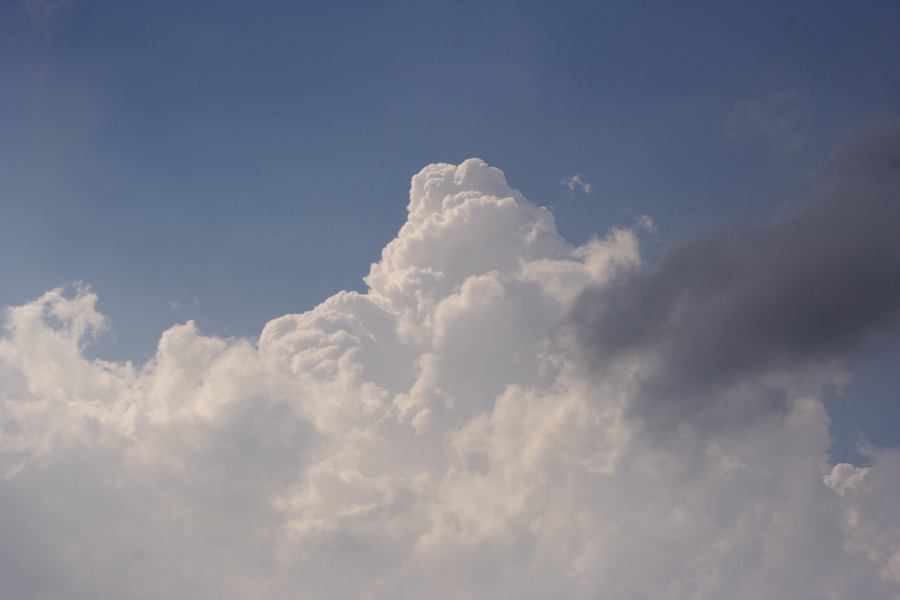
[{"x": 500, "y": 415}]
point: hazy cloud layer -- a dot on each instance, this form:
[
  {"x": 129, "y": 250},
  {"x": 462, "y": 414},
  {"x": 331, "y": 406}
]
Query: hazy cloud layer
[
  {"x": 577, "y": 182},
  {"x": 43, "y": 12},
  {"x": 444, "y": 435}
]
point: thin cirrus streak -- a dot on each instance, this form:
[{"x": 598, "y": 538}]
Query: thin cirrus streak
[{"x": 500, "y": 414}]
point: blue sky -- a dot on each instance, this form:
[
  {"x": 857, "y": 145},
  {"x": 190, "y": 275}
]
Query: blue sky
[
  {"x": 232, "y": 161},
  {"x": 686, "y": 387}
]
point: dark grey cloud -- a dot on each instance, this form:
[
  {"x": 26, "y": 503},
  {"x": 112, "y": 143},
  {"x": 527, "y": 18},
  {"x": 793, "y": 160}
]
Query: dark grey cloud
[{"x": 749, "y": 298}]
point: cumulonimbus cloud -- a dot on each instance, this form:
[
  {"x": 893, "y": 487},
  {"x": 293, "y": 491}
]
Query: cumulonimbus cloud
[{"x": 449, "y": 433}]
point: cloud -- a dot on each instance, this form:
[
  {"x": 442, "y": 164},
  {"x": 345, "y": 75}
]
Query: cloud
[
  {"x": 443, "y": 434},
  {"x": 43, "y": 12},
  {"x": 751, "y": 300},
  {"x": 575, "y": 182},
  {"x": 775, "y": 120}
]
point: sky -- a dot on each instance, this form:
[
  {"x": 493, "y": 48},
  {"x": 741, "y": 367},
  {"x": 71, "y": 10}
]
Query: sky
[{"x": 449, "y": 300}]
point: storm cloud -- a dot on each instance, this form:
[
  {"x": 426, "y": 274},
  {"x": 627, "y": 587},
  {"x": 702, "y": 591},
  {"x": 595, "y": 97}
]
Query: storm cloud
[{"x": 751, "y": 299}]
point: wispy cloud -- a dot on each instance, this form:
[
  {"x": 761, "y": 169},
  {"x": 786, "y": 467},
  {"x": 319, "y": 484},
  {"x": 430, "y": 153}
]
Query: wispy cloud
[
  {"x": 577, "y": 182},
  {"x": 775, "y": 119}
]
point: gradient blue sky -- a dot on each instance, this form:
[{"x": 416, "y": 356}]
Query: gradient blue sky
[{"x": 237, "y": 161}]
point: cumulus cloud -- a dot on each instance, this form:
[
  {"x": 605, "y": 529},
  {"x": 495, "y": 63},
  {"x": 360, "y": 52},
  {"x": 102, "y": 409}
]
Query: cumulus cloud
[
  {"x": 577, "y": 182},
  {"x": 441, "y": 435}
]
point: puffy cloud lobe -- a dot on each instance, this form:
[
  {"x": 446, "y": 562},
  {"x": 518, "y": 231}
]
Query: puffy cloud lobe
[{"x": 438, "y": 436}]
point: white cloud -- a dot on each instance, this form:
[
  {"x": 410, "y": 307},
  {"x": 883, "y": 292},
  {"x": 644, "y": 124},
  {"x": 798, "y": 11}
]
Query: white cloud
[
  {"x": 576, "y": 182},
  {"x": 438, "y": 436}
]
